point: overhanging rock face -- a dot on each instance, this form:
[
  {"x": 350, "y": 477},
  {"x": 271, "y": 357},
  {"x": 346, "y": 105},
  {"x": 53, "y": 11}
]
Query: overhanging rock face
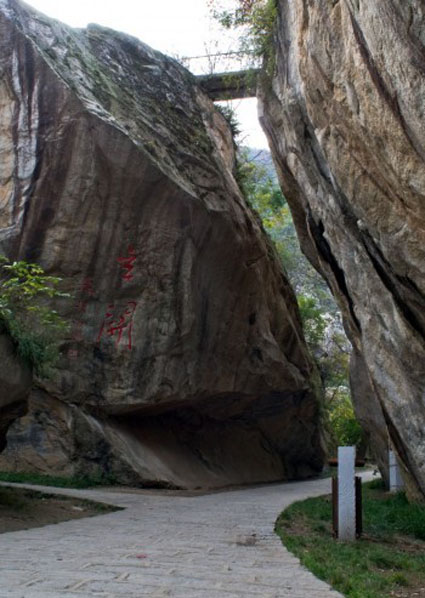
[
  {"x": 185, "y": 363},
  {"x": 345, "y": 118},
  {"x": 15, "y": 386}
]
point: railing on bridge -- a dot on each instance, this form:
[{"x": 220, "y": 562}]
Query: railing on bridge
[{"x": 236, "y": 79}]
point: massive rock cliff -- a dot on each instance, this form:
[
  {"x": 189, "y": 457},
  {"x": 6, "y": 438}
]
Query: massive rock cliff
[
  {"x": 185, "y": 363},
  {"x": 344, "y": 115}
]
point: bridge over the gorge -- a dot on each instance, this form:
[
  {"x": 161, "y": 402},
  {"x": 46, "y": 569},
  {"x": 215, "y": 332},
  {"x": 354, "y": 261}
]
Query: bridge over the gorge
[{"x": 232, "y": 85}]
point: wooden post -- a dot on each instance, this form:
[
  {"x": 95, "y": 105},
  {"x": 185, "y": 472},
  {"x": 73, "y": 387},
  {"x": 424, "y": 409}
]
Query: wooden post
[
  {"x": 335, "y": 506},
  {"x": 359, "y": 507}
]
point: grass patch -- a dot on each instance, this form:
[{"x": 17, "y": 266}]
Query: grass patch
[
  {"x": 58, "y": 481},
  {"x": 388, "y": 561}
]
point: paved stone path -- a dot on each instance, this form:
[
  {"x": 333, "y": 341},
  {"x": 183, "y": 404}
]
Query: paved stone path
[{"x": 219, "y": 545}]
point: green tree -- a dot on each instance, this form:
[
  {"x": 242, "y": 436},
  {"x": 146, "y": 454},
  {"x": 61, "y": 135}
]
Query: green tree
[
  {"x": 257, "y": 178},
  {"x": 344, "y": 427},
  {"x": 26, "y": 294},
  {"x": 313, "y": 320},
  {"x": 253, "y": 20}
]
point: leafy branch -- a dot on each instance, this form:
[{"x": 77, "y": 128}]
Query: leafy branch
[
  {"x": 26, "y": 294},
  {"x": 254, "y": 20}
]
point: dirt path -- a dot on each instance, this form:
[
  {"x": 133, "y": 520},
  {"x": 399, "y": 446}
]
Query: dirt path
[{"x": 219, "y": 545}]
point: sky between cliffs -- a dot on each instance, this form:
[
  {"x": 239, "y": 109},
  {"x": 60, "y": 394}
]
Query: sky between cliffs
[{"x": 175, "y": 27}]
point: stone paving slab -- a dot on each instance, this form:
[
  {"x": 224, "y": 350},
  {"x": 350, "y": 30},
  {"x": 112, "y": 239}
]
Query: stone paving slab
[{"x": 219, "y": 545}]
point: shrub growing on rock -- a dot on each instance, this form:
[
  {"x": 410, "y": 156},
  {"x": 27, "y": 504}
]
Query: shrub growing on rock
[{"x": 26, "y": 312}]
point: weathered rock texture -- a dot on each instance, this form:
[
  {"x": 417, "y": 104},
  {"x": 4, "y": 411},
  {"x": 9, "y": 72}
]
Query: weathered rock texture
[
  {"x": 185, "y": 364},
  {"x": 15, "y": 386},
  {"x": 345, "y": 118}
]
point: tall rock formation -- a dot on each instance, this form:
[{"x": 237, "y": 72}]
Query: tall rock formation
[
  {"x": 185, "y": 363},
  {"x": 344, "y": 115}
]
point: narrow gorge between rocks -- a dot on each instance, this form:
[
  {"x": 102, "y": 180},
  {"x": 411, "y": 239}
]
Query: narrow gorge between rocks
[{"x": 185, "y": 364}]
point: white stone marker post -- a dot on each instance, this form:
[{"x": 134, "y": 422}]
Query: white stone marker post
[
  {"x": 396, "y": 481},
  {"x": 346, "y": 493}
]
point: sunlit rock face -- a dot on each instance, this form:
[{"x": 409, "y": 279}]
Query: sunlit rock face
[
  {"x": 185, "y": 363},
  {"x": 344, "y": 115}
]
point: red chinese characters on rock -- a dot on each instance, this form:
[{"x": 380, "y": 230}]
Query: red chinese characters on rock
[
  {"x": 127, "y": 264},
  {"x": 119, "y": 325},
  {"x": 87, "y": 287},
  {"x": 117, "y": 322}
]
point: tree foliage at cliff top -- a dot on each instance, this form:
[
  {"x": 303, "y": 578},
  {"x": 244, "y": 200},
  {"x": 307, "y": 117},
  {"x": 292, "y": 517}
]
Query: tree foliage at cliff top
[
  {"x": 26, "y": 293},
  {"x": 252, "y": 19}
]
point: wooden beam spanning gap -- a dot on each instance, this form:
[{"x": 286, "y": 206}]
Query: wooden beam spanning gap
[{"x": 230, "y": 86}]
